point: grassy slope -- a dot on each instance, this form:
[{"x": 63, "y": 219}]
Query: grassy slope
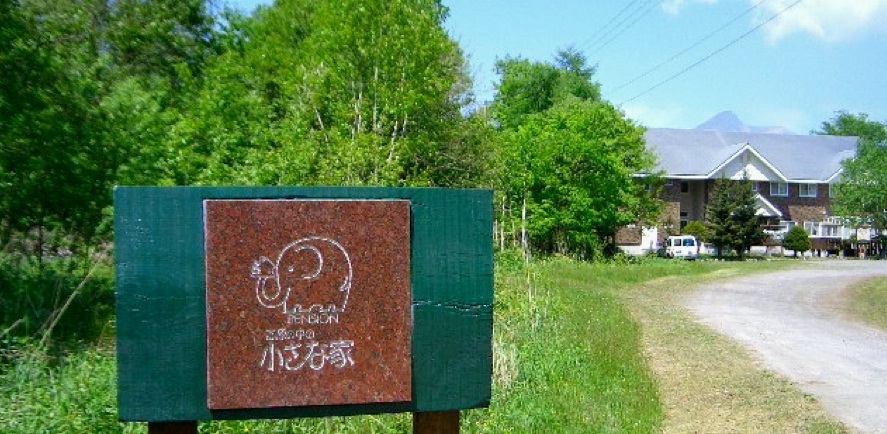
[{"x": 868, "y": 302}]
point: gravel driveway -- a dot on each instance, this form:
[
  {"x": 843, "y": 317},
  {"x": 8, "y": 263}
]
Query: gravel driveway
[{"x": 794, "y": 323}]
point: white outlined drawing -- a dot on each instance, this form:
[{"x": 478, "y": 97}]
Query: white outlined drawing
[{"x": 268, "y": 273}]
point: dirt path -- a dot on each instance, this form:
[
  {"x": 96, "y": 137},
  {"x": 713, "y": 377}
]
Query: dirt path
[{"x": 793, "y": 321}]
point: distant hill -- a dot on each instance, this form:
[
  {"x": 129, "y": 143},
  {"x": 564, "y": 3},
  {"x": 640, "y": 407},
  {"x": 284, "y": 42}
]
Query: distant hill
[{"x": 729, "y": 122}]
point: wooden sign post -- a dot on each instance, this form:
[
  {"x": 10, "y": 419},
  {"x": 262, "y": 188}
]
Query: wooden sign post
[{"x": 251, "y": 303}]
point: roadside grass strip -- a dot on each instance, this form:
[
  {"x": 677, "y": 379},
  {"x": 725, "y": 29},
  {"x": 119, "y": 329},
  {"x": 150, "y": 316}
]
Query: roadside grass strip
[
  {"x": 567, "y": 356},
  {"x": 868, "y": 302},
  {"x": 707, "y": 382}
]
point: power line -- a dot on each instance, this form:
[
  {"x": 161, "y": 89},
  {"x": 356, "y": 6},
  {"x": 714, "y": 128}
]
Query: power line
[
  {"x": 694, "y": 45},
  {"x": 615, "y": 29},
  {"x": 612, "y": 20},
  {"x": 627, "y": 27},
  {"x": 710, "y": 55}
]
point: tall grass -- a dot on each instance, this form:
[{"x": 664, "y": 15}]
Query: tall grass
[
  {"x": 60, "y": 301},
  {"x": 75, "y": 393},
  {"x": 568, "y": 355}
]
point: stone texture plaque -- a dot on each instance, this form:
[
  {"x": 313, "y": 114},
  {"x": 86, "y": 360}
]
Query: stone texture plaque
[{"x": 308, "y": 302}]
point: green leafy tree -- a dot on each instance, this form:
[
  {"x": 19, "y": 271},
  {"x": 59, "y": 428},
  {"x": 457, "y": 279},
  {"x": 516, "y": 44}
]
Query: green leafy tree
[
  {"x": 861, "y": 196},
  {"x": 567, "y": 160},
  {"x": 53, "y": 172},
  {"x": 323, "y": 92},
  {"x": 859, "y": 125},
  {"x": 732, "y": 217},
  {"x": 529, "y": 87},
  {"x": 797, "y": 239},
  {"x": 698, "y": 230},
  {"x": 570, "y": 171}
]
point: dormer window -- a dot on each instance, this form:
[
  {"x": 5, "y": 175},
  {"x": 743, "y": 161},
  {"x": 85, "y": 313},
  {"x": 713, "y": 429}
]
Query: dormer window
[{"x": 779, "y": 189}]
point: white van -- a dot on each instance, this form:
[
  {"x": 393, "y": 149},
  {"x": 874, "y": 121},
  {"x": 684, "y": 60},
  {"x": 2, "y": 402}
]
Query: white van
[{"x": 682, "y": 246}]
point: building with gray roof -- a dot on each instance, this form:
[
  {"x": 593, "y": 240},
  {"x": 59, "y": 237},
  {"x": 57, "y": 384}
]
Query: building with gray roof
[{"x": 792, "y": 174}]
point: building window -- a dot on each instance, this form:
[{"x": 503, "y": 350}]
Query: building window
[
  {"x": 810, "y": 227},
  {"x": 778, "y": 189},
  {"x": 668, "y": 183},
  {"x": 685, "y": 219},
  {"x": 685, "y": 187},
  {"x": 754, "y": 186},
  {"x": 807, "y": 190},
  {"x": 831, "y": 190}
]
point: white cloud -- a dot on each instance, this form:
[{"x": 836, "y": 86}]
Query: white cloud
[
  {"x": 829, "y": 20},
  {"x": 673, "y": 7}
]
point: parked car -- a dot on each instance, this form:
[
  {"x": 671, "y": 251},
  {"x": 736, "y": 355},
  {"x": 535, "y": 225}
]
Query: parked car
[{"x": 682, "y": 246}]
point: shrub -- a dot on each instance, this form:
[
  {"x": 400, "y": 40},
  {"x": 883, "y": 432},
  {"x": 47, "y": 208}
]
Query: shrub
[{"x": 797, "y": 240}]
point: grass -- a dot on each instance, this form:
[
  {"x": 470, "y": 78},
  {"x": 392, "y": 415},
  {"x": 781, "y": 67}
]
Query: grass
[
  {"x": 578, "y": 348},
  {"x": 567, "y": 358},
  {"x": 868, "y": 302}
]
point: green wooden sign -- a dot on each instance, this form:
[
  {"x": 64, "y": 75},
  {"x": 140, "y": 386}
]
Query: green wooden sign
[{"x": 167, "y": 357}]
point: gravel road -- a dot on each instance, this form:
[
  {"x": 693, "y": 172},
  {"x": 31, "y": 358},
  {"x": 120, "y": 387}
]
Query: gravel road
[{"x": 793, "y": 322}]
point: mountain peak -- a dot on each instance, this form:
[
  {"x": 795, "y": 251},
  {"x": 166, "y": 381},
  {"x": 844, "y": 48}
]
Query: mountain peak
[{"x": 727, "y": 121}]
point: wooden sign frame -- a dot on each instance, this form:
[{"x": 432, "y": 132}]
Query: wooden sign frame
[{"x": 161, "y": 300}]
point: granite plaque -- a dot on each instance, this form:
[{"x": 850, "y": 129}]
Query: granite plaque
[{"x": 308, "y": 302}]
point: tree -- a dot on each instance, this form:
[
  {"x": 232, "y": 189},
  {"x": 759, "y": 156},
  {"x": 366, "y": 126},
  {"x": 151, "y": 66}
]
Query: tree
[
  {"x": 859, "y": 125},
  {"x": 698, "y": 230},
  {"x": 797, "y": 239},
  {"x": 861, "y": 196},
  {"x": 571, "y": 169},
  {"x": 567, "y": 160},
  {"x": 528, "y": 87},
  {"x": 732, "y": 217},
  {"x": 331, "y": 92},
  {"x": 53, "y": 171}
]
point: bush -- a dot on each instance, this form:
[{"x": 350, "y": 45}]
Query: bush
[{"x": 797, "y": 240}]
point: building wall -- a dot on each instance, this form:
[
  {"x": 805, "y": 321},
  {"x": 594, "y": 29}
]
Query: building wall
[
  {"x": 628, "y": 235},
  {"x": 800, "y": 209},
  {"x": 694, "y": 201}
]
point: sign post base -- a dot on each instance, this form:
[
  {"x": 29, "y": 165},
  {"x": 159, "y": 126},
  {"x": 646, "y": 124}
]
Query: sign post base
[
  {"x": 439, "y": 422},
  {"x": 189, "y": 427}
]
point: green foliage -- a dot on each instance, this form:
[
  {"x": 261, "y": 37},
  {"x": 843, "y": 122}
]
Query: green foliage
[
  {"x": 859, "y": 125},
  {"x": 698, "y": 230},
  {"x": 36, "y": 299},
  {"x": 528, "y": 87},
  {"x": 861, "y": 196},
  {"x": 573, "y": 167},
  {"x": 732, "y": 217},
  {"x": 797, "y": 239},
  {"x": 862, "y": 192},
  {"x": 567, "y": 159}
]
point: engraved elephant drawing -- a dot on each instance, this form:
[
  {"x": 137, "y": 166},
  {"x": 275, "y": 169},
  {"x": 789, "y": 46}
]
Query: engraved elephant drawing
[{"x": 311, "y": 274}]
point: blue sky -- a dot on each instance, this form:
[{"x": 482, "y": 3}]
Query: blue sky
[{"x": 794, "y": 69}]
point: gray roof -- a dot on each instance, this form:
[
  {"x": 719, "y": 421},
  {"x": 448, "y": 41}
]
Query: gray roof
[{"x": 696, "y": 153}]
